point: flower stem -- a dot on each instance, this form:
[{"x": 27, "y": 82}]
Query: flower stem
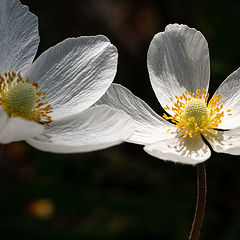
[{"x": 201, "y": 201}]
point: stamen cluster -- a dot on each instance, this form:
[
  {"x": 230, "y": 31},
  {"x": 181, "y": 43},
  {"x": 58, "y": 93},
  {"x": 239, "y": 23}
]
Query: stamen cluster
[
  {"x": 20, "y": 98},
  {"x": 194, "y": 115}
]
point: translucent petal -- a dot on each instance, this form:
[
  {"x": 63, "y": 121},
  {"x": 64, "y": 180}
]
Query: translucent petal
[
  {"x": 178, "y": 60},
  {"x": 230, "y": 92},
  {"x": 93, "y": 129},
  {"x": 189, "y": 151},
  {"x": 75, "y": 73},
  {"x": 149, "y": 127},
  {"x": 19, "y": 36},
  {"x": 226, "y": 141},
  {"x": 18, "y": 129}
]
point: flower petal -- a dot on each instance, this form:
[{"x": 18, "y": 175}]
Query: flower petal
[
  {"x": 93, "y": 129},
  {"x": 189, "y": 151},
  {"x": 19, "y": 36},
  {"x": 75, "y": 73},
  {"x": 226, "y": 141},
  {"x": 230, "y": 92},
  {"x": 149, "y": 127},
  {"x": 178, "y": 60},
  {"x": 18, "y": 129}
]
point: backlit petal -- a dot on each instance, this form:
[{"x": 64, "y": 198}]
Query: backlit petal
[
  {"x": 226, "y": 141},
  {"x": 75, "y": 73},
  {"x": 18, "y": 129},
  {"x": 230, "y": 92},
  {"x": 189, "y": 151},
  {"x": 19, "y": 37},
  {"x": 178, "y": 60},
  {"x": 93, "y": 129},
  {"x": 150, "y": 127}
]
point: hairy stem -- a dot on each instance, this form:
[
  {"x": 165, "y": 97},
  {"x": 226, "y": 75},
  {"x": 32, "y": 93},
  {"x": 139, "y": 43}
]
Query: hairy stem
[{"x": 201, "y": 201}]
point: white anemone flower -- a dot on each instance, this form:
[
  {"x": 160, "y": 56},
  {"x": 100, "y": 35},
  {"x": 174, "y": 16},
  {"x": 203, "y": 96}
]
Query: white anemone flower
[
  {"x": 48, "y": 102},
  {"x": 178, "y": 64}
]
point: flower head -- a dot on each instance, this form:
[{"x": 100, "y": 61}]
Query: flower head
[
  {"x": 48, "y": 102},
  {"x": 194, "y": 115},
  {"x": 178, "y": 65},
  {"x": 20, "y": 98}
]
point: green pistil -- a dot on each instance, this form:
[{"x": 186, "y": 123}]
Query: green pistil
[
  {"x": 21, "y": 99},
  {"x": 196, "y": 109}
]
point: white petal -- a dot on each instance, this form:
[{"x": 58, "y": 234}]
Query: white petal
[
  {"x": 75, "y": 73},
  {"x": 230, "y": 92},
  {"x": 226, "y": 141},
  {"x": 17, "y": 129},
  {"x": 178, "y": 60},
  {"x": 149, "y": 126},
  {"x": 93, "y": 129},
  {"x": 19, "y": 37},
  {"x": 189, "y": 151}
]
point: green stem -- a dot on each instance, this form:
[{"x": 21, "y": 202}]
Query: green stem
[{"x": 201, "y": 201}]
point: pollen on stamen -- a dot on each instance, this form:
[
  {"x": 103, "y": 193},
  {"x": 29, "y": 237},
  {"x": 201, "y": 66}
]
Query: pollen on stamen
[
  {"x": 194, "y": 115},
  {"x": 20, "y": 98}
]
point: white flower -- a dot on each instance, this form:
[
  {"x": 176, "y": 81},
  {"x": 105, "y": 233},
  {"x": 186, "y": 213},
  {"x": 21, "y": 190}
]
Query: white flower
[
  {"x": 48, "y": 102},
  {"x": 178, "y": 64}
]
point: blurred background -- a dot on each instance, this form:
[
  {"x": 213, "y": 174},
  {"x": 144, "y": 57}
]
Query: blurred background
[{"x": 121, "y": 192}]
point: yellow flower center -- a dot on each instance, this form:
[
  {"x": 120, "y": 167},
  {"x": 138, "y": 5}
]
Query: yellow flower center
[
  {"x": 196, "y": 111},
  {"x": 20, "y": 98},
  {"x": 194, "y": 115}
]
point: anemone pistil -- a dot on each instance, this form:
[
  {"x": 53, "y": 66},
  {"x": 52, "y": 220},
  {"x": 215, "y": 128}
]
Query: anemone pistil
[
  {"x": 194, "y": 114},
  {"x": 20, "y": 98}
]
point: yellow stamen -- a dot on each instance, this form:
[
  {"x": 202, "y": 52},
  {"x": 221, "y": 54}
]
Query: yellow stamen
[
  {"x": 20, "y": 98},
  {"x": 194, "y": 115}
]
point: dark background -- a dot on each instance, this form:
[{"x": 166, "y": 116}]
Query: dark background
[{"x": 121, "y": 192}]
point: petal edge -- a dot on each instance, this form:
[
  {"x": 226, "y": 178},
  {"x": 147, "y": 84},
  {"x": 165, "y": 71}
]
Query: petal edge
[
  {"x": 178, "y": 60},
  {"x": 189, "y": 151},
  {"x": 94, "y": 129}
]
